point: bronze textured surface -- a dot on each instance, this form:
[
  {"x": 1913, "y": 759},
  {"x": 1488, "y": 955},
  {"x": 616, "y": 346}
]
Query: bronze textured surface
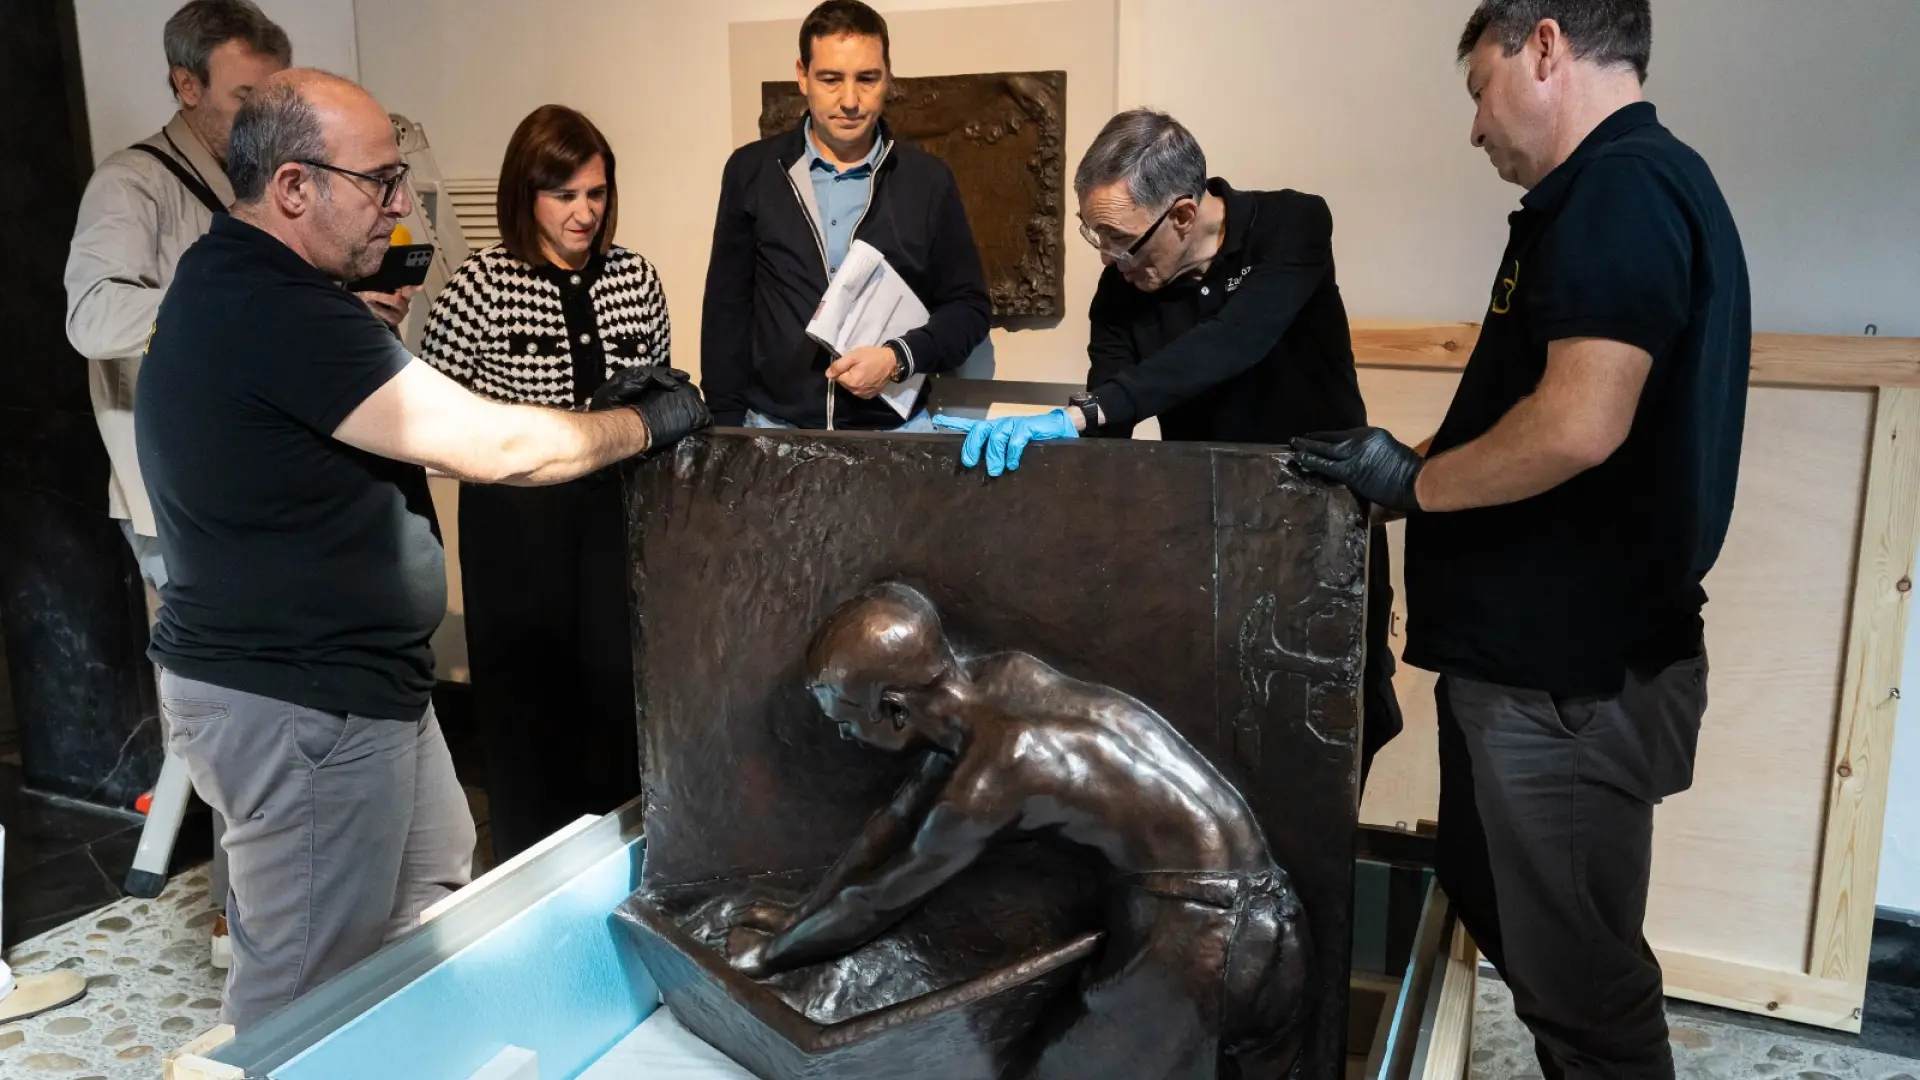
[
  {"x": 1004, "y": 137},
  {"x": 1213, "y": 584}
]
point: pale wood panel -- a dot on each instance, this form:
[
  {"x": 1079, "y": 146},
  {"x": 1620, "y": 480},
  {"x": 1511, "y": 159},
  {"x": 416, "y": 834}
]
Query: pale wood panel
[
  {"x": 1864, "y": 746},
  {"x": 1452, "y": 1037},
  {"x": 446, "y": 506},
  {"x": 1806, "y": 360},
  {"x": 1735, "y": 857},
  {"x": 450, "y": 637},
  {"x": 1404, "y": 786},
  {"x": 1786, "y": 995}
]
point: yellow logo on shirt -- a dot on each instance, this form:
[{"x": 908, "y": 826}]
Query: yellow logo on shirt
[
  {"x": 1503, "y": 292},
  {"x": 149, "y": 342}
]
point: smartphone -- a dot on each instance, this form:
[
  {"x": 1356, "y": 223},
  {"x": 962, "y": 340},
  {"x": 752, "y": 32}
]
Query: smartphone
[{"x": 405, "y": 264}]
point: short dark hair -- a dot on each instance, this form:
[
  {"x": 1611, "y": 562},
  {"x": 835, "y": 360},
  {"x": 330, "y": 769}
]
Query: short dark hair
[
  {"x": 274, "y": 126},
  {"x": 548, "y": 147},
  {"x": 199, "y": 27},
  {"x": 836, "y": 17},
  {"x": 1607, "y": 32}
]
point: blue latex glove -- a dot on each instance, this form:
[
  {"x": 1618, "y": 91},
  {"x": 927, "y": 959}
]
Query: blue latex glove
[{"x": 1006, "y": 439}]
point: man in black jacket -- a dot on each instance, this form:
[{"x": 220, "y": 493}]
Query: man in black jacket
[
  {"x": 1219, "y": 314},
  {"x": 790, "y": 207}
]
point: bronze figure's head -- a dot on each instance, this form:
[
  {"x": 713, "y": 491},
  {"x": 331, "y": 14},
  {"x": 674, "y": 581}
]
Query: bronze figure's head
[{"x": 872, "y": 664}]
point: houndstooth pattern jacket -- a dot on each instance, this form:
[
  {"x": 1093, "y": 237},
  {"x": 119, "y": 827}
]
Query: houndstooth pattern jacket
[{"x": 514, "y": 332}]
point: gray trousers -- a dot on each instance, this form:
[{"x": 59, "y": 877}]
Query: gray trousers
[
  {"x": 340, "y": 831},
  {"x": 1546, "y": 845},
  {"x": 153, "y": 571}
]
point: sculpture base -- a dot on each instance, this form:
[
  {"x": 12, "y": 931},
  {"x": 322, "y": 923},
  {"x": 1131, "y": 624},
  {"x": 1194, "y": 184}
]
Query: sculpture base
[{"x": 947, "y": 992}]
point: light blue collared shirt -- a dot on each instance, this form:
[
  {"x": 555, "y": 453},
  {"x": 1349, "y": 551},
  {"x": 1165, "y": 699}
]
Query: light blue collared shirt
[{"x": 841, "y": 196}]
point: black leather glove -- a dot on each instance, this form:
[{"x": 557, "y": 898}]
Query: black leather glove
[
  {"x": 1375, "y": 465},
  {"x": 664, "y": 397}
]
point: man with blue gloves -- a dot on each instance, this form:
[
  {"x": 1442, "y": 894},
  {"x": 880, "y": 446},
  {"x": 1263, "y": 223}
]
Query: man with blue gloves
[{"x": 1220, "y": 315}]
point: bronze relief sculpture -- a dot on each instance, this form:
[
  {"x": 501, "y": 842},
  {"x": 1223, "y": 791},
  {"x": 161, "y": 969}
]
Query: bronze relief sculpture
[
  {"x": 1004, "y": 137},
  {"x": 1207, "y": 948},
  {"x": 1075, "y": 869}
]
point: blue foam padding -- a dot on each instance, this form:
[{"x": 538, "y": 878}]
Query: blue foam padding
[{"x": 559, "y": 979}]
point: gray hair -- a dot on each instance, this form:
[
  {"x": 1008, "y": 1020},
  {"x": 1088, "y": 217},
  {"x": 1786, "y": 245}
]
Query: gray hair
[
  {"x": 1611, "y": 33},
  {"x": 275, "y": 127},
  {"x": 1158, "y": 158},
  {"x": 202, "y": 26}
]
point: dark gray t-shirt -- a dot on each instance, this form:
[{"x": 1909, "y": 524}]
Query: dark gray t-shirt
[{"x": 299, "y": 568}]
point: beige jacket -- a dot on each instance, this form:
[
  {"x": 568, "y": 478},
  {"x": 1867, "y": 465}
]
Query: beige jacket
[{"x": 136, "y": 219}]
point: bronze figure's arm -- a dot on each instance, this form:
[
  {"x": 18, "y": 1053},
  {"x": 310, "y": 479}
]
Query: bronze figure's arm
[
  {"x": 868, "y": 891},
  {"x": 886, "y": 834}
]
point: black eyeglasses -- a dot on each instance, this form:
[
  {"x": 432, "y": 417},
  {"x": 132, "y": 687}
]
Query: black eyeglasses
[
  {"x": 389, "y": 184},
  {"x": 1132, "y": 251}
]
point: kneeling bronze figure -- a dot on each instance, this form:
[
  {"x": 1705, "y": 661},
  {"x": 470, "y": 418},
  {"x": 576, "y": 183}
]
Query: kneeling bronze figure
[{"x": 1205, "y": 954}]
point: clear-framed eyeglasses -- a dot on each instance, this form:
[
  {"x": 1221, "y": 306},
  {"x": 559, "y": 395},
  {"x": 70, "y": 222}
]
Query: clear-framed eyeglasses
[{"x": 1125, "y": 256}]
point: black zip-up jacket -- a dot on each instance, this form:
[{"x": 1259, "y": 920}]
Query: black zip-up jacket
[
  {"x": 769, "y": 271},
  {"x": 1255, "y": 350}
]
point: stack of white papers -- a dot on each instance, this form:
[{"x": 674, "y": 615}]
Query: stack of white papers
[{"x": 868, "y": 303}]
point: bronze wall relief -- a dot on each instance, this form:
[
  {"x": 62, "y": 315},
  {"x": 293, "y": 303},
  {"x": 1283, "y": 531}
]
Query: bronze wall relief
[{"x": 838, "y": 883}]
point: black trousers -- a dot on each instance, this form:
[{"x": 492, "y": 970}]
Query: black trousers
[
  {"x": 1545, "y": 847},
  {"x": 1380, "y": 718},
  {"x": 550, "y": 649}
]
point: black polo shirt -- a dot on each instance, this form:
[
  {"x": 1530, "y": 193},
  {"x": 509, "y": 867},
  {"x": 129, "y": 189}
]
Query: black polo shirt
[
  {"x": 1254, "y": 350},
  {"x": 1628, "y": 240},
  {"x": 299, "y": 568}
]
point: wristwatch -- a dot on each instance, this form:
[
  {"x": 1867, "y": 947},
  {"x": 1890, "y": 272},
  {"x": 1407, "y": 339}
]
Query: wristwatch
[
  {"x": 900, "y": 367},
  {"x": 1089, "y": 407}
]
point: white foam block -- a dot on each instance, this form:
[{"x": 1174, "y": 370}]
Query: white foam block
[
  {"x": 660, "y": 1049},
  {"x": 513, "y": 1063}
]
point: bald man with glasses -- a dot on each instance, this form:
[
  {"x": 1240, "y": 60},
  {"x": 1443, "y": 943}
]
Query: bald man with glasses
[
  {"x": 1218, "y": 314},
  {"x": 284, "y": 437}
]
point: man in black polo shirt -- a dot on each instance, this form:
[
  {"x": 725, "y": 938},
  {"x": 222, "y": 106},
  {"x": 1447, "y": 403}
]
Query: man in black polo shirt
[
  {"x": 282, "y": 430},
  {"x": 1218, "y": 313},
  {"x": 1559, "y": 528}
]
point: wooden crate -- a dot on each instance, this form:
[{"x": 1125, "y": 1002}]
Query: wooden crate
[
  {"x": 1764, "y": 872},
  {"x": 1418, "y": 1026}
]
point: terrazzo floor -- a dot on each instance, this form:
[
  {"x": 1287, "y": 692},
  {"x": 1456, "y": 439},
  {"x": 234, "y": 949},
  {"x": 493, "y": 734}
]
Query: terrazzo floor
[
  {"x": 1703, "y": 1048},
  {"x": 149, "y": 989}
]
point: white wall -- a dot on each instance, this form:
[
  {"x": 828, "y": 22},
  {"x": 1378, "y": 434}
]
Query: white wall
[
  {"x": 656, "y": 79},
  {"x": 125, "y": 66},
  {"x": 1809, "y": 114},
  {"x": 1900, "y": 845}
]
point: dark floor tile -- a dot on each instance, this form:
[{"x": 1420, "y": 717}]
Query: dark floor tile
[
  {"x": 62, "y": 888},
  {"x": 1890, "y": 1023},
  {"x": 44, "y": 827},
  {"x": 33, "y": 928},
  {"x": 1896, "y": 952},
  {"x": 192, "y": 845}
]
